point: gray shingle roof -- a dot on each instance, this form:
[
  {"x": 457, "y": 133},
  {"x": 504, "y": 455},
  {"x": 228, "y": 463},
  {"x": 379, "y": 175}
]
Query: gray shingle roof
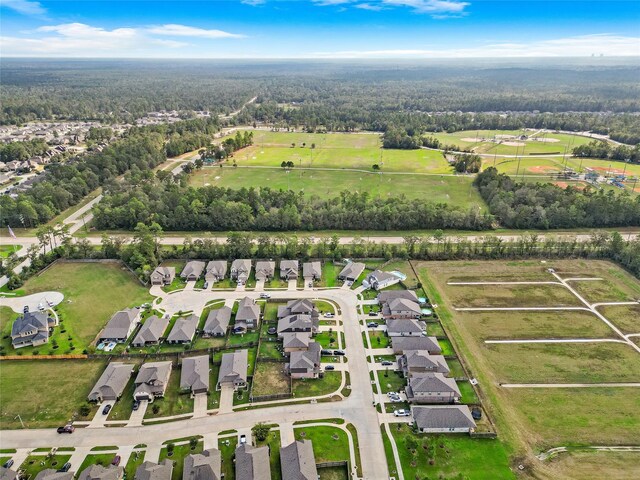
[
  {"x": 195, "y": 373},
  {"x": 403, "y": 305},
  {"x": 162, "y": 273},
  {"x": 154, "y": 471},
  {"x": 308, "y": 359},
  {"x": 352, "y": 270},
  {"x": 153, "y": 377},
  {"x": 51, "y": 474},
  {"x": 252, "y": 463},
  {"x": 247, "y": 310},
  {"x": 265, "y": 269},
  {"x": 380, "y": 276},
  {"x": 193, "y": 268},
  {"x": 241, "y": 268},
  {"x": 216, "y": 268},
  {"x": 311, "y": 269},
  {"x": 8, "y": 474},
  {"x": 203, "y": 466},
  {"x": 297, "y": 323},
  {"x": 112, "y": 382},
  {"x": 98, "y": 472},
  {"x": 184, "y": 329},
  {"x": 297, "y": 461},
  {"x": 30, "y": 321},
  {"x": 403, "y": 344},
  {"x": 289, "y": 267},
  {"x": 234, "y": 366},
  {"x": 405, "y": 326},
  {"x": 387, "y": 296},
  {"x": 120, "y": 323},
  {"x": 433, "y": 382},
  {"x": 218, "y": 321},
  {"x": 151, "y": 331},
  {"x": 422, "y": 359},
  {"x": 296, "y": 340},
  {"x": 443, "y": 417}
]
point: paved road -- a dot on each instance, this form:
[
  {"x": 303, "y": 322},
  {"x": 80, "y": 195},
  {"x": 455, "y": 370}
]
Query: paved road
[
  {"x": 357, "y": 408},
  {"x": 34, "y": 301}
]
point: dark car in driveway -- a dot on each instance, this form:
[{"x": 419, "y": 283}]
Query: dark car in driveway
[
  {"x": 106, "y": 409},
  {"x": 66, "y": 429},
  {"x": 116, "y": 460},
  {"x": 136, "y": 405},
  {"x": 64, "y": 468}
]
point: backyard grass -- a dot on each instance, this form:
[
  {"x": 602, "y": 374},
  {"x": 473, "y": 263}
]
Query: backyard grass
[
  {"x": 446, "y": 346},
  {"x": 269, "y": 379},
  {"x": 330, "y": 444},
  {"x": 273, "y": 442},
  {"x": 67, "y": 384},
  {"x": 392, "y": 382},
  {"x": 103, "y": 459},
  {"x": 313, "y": 387},
  {"x": 227, "y": 447},
  {"x": 583, "y": 464},
  {"x": 456, "y": 190},
  {"x": 135, "y": 460},
  {"x": 178, "y": 456},
  {"x": 93, "y": 292},
  {"x": 563, "y": 363},
  {"x": 625, "y": 317},
  {"x": 330, "y": 275},
  {"x": 269, "y": 349},
  {"x": 34, "y": 464},
  {"x": 271, "y": 310},
  {"x": 454, "y": 456},
  {"x": 468, "y": 394},
  {"x": 173, "y": 402}
]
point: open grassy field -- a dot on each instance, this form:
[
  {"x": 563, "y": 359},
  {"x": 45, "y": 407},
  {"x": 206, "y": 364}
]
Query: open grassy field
[
  {"x": 315, "y": 182},
  {"x": 581, "y": 464},
  {"x": 453, "y": 456},
  {"x": 67, "y": 384},
  {"x": 265, "y": 138},
  {"x": 625, "y": 317},
  {"x": 478, "y": 296},
  {"x": 542, "y": 324},
  {"x": 533, "y": 420},
  {"x": 93, "y": 292}
]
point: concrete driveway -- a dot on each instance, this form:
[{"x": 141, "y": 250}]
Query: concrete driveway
[
  {"x": 99, "y": 419},
  {"x": 226, "y": 400},
  {"x": 34, "y": 301},
  {"x": 292, "y": 284},
  {"x": 259, "y": 286},
  {"x": 135, "y": 420}
]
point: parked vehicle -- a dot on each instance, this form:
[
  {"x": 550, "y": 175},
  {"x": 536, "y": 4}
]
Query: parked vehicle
[
  {"x": 25, "y": 309},
  {"x": 329, "y": 367},
  {"x": 372, "y": 324},
  {"x": 326, "y": 352},
  {"x": 8, "y": 464},
  {"x": 272, "y": 330},
  {"x": 106, "y": 409},
  {"x": 66, "y": 429},
  {"x": 395, "y": 399},
  {"x": 64, "y": 468},
  {"x": 386, "y": 363},
  {"x": 136, "y": 405},
  {"x": 243, "y": 439},
  {"x": 373, "y": 314},
  {"x": 339, "y": 352},
  {"x": 401, "y": 413},
  {"x": 116, "y": 460},
  {"x": 265, "y": 295},
  {"x": 206, "y": 285},
  {"x": 329, "y": 315}
]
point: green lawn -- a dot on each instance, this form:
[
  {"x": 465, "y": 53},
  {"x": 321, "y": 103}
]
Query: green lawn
[
  {"x": 270, "y": 350},
  {"x": 124, "y": 406},
  {"x": 135, "y": 460},
  {"x": 330, "y": 275},
  {"x": 173, "y": 403},
  {"x": 625, "y": 317},
  {"x": 227, "y": 447},
  {"x": 6, "y": 250},
  {"x": 66, "y": 382},
  {"x": 454, "y": 456},
  {"x": 447, "y": 189},
  {"x": 468, "y": 394},
  {"x": 213, "y": 398},
  {"x": 327, "y": 340},
  {"x": 393, "y": 382},
  {"x": 330, "y": 444},
  {"x": 273, "y": 442},
  {"x": 103, "y": 459},
  {"x": 271, "y": 310},
  {"x": 179, "y": 453},
  {"x": 34, "y": 464},
  {"x": 313, "y": 387},
  {"x": 93, "y": 292}
]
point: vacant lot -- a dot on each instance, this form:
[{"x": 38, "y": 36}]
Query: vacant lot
[
  {"x": 606, "y": 290},
  {"x": 581, "y": 464},
  {"x": 532, "y": 324},
  {"x": 450, "y": 456},
  {"x": 625, "y": 317},
  {"x": 617, "y": 285},
  {"x": 269, "y": 379},
  {"x": 93, "y": 292},
  {"x": 512, "y": 296},
  {"x": 67, "y": 383}
]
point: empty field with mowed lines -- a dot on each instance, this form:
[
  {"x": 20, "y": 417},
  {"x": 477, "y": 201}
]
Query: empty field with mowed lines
[{"x": 533, "y": 419}]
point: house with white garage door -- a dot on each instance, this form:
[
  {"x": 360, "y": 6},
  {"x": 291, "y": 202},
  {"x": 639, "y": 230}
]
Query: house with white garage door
[
  {"x": 111, "y": 383},
  {"x": 443, "y": 419},
  {"x": 152, "y": 380}
]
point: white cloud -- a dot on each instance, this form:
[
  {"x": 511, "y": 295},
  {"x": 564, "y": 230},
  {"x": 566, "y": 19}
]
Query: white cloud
[
  {"x": 186, "y": 31},
  {"x": 253, "y": 3},
  {"x": 25, "y": 7},
  {"x": 438, "y": 8},
  {"x": 580, "y": 46},
  {"x": 369, "y": 6}
]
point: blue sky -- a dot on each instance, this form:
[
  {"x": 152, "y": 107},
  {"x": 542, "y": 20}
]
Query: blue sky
[{"x": 319, "y": 28}]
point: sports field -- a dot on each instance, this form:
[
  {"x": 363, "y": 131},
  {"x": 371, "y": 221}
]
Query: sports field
[{"x": 534, "y": 419}]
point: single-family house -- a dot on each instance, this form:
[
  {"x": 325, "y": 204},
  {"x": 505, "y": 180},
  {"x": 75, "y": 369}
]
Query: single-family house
[
  {"x": 194, "y": 375},
  {"x": 432, "y": 388},
  {"x": 265, "y": 270},
  {"x": 240, "y": 270},
  {"x": 216, "y": 271},
  {"x": 401, "y": 308},
  {"x": 406, "y": 328},
  {"x": 51, "y": 474},
  {"x": 377, "y": 280},
  {"x": 311, "y": 271},
  {"x": 31, "y": 329},
  {"x": 252, "y": 463},
  {"x": 154, "y": 471},
  {"x": 120, "y": 326},
  {"x": 294, "y": 307},
  {"x": 203, "y": 466},
  {"x": 404, "y": 344},
  {"x": 192, "y": 271},
  {"x": 443, "y": 419},
  {"x": 289, "y": 269},
  {"x": 8, "y": 474},
  {"x": 111, "y": 383},
  {"x": 387, "y": 296},
  {"x": 98, "y": 472},
  {"x": 298, "y": 323},
  {"x": 163, "y": 275},
  {"x": 217, "y": 322},
  {"x": 351, "y": 271},
  {"x": 184, "y": 329},
  {"x": 151, "y": 332},
  {"x": 305, "y": 363},
  {"x": 233, "y": 370},
  {"x": 294, "y": 342},
  {"x": 247, "y": 316},
  {"x": 414, "y": 362},
  {"x": 152, "y": 380},
  {"x": 297, "y": 461}
]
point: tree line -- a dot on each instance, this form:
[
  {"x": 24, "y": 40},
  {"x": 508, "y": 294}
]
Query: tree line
[
  {"x": 547, "y": 206},
  {"x": 21, "y": 151},
  {"x": 601, "y": 149}
]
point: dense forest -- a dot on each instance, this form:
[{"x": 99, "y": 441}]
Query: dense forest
[
  {"x": 174, "y": 206},
  {"x": 600, "y": 149},
  {"x": 21, "y": 151},
  {"x": 547, "y": 206},
  {"x": 336, "y": 96}
]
